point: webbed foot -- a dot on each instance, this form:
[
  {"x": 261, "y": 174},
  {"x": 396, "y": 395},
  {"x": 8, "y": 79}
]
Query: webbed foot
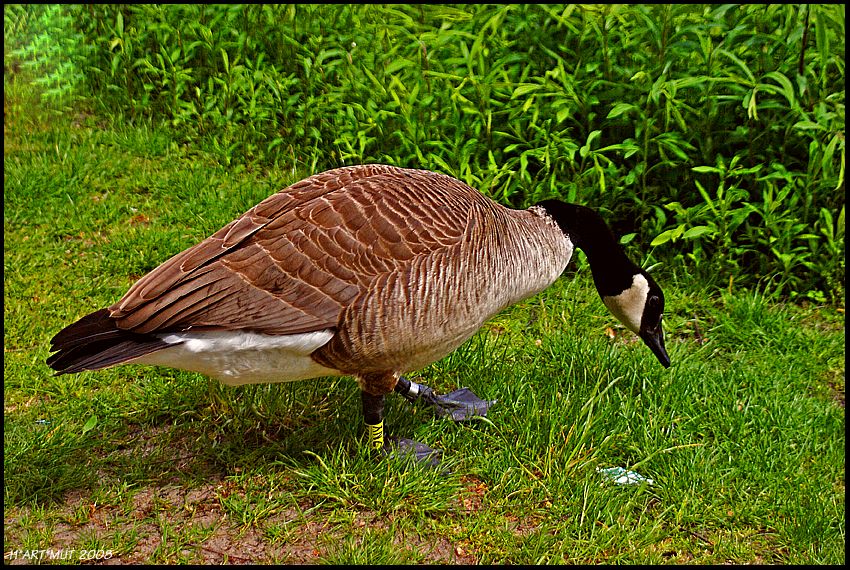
[
  {"x": 459, "y": 405},
  {"x": 407, "y": 448}
]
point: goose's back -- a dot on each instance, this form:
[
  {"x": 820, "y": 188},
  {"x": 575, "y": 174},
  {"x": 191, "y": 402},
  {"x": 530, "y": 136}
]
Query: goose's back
[{"x": 300, "y": 259}]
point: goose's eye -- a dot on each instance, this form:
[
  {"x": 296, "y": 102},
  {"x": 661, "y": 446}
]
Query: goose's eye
[
  {"x": 653, "y": 306},
  {"x": 652, "y": 312}
]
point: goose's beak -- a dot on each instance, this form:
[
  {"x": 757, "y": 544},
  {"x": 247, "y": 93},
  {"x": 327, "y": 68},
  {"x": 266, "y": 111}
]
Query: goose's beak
[{"x": 655, "y": 341}]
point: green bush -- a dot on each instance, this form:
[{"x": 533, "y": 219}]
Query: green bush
[
  {"x": 713, "y": 132},
  {"x": 41, "y": 40}
]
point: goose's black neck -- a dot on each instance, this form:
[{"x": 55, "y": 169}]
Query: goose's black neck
[{"x": 612, "y": 270}]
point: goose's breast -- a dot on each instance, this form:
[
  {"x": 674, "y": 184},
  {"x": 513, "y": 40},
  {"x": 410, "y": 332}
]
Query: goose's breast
[{"x": 414, "y": 317}]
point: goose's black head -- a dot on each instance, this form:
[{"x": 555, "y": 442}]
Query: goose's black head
[
  {"x": 640, "y": 307},
  {"x": 628, "y": 291}
]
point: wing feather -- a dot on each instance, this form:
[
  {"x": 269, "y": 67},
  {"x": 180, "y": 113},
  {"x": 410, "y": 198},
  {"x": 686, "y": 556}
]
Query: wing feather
[{"x": 296, "y": 260}]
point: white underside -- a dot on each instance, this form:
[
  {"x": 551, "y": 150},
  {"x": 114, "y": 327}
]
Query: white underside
[{"x": 236, "y": 357}]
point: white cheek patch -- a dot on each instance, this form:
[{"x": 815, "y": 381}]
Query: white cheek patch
[{"x": 628, "y": 305}]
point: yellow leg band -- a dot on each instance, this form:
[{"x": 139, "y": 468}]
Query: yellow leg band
[{"x": 376, "y": 435}]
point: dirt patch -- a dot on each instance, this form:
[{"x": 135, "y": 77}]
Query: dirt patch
[
  {"x": 835, "y": 381},
  {"x": 171, "y": 524}
]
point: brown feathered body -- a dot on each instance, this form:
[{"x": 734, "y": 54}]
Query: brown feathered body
[{"x": 366, "y": 271}]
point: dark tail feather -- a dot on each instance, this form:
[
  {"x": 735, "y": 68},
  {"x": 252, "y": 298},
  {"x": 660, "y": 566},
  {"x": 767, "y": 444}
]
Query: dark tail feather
[{"x": 95, "y": 342}]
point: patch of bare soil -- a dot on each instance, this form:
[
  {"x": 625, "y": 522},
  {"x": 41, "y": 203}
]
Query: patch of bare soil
[
  {"x": 170, "y": 524},
  {"x": 174, "y": 508}
]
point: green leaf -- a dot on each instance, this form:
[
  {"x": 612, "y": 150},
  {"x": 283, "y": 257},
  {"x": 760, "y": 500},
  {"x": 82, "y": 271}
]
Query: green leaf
[
  {"x": 621, "y": 108},
  {"x": 562, "y": 114},
  {"x": 667, "y": 235},
  {"x": 676, "y": 207},
  {"x": 697, "y": 231},
  {"x": 787, "y": 87},
  {"x": 690, "y": 81},
  {"x": 822, "y": 39},
  {"x": 705, "y": 169},
  {"x": 751, "y": 105},
  {"x": 525, "y": 89},
  {"x": 90, "y": 424},
  {"x": 398, "y": 64},
  {"x": 707, "y": 198},
  {"x": 584, "y": 150},
  {"x": 629, "y": 147},
  {"x": 226, "y": 60},
  {"x": 807, "y": 125},
  {"x": 739, "y": 62}
]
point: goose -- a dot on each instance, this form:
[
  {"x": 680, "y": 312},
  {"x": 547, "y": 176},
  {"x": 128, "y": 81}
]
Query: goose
[{"x": 370, "y": 271}]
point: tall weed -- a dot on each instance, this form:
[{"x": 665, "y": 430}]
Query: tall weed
[
  {"x": 713, "y": 132},
  {"x": 41, "y": 41}
]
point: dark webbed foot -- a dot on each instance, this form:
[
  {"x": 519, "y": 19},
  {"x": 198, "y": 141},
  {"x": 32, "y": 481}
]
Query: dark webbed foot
[
  {"x": 418, "y": 452},
  {"x": 373, "y": 412},
  {"x": 459, "y": 405}
]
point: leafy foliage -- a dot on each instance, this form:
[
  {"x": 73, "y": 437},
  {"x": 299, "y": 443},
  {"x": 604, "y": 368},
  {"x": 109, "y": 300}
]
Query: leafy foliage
[
  {"x": 716, "y": 132},
  {"x": 744, "y": 436},
  {"x": 42, "y": 40}
]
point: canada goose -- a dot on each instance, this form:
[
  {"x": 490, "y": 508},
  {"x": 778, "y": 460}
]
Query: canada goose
[{"x": 369, "y": 271}]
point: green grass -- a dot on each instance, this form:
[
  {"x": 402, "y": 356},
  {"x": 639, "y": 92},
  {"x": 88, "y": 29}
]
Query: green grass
[{"x": 743, "y": 436}]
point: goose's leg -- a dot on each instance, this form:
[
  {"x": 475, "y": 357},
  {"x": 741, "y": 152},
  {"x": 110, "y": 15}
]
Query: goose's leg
[
  {"x": 459, "y": 405},
  {"x": 373, "y": 415}
]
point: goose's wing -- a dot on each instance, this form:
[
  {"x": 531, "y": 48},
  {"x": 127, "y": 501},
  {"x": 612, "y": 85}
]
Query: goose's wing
[{"x": 293, "y": 263}]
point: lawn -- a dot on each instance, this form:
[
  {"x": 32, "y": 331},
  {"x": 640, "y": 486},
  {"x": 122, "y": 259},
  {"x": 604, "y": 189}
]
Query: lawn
[{"x": 743, "y": 437}]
